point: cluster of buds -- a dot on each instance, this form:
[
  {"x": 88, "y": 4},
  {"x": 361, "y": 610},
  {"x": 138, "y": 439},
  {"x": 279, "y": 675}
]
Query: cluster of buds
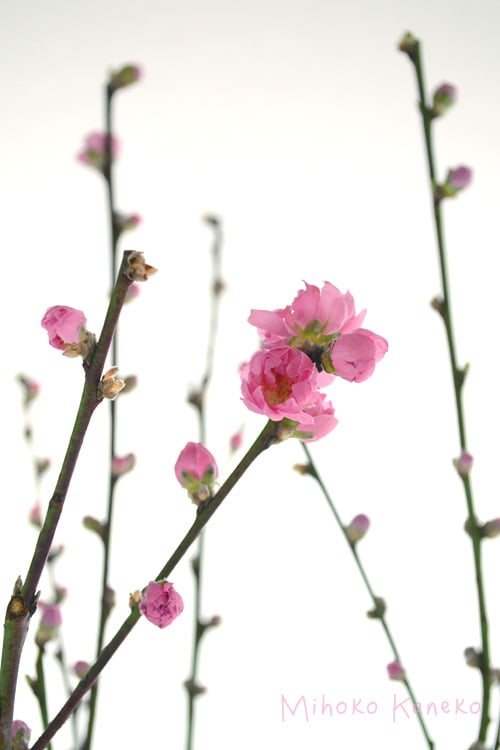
[{"x": 95, "y": 151}]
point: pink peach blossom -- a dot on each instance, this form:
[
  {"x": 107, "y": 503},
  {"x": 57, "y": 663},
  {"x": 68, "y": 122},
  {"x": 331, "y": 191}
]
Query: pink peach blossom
[
  {"x": 21, "y": 734},
  {"x": 160, "y": 603},
  {"x": 354, "y": 355},
  {"x": 280, "y": 382},
  {"x": 63, "y": 325},
  {"x": 313, "y": 313},
  {"x": 324, "y": 422}
]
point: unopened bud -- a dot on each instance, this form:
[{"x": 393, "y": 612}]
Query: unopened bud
[
  {"x": 110, "y": 386},
  {"x": 357, "y": 528},
  {"x": 138, "y": 269}
]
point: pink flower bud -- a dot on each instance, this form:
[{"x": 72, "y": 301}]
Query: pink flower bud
[
  {"x": 63, "y": 325},
  {"x": 126, "y": 222},
  {"x": 444, "y": 97},
  {"x": 35, "y": 516},
  {"x": 357, "y": 528},
  {"x": 196, "y": 470},
  {"x": 160, "y": 603},
  {"x": 93, "y": 153},
  {"x": 133, "y": 292},
  {"x": 30, "y": 387},
  {"x": 456, "y": 180},
  {"x": 463, "y": 464},
  {"x": 122, "y": 464},
  {"x": 491, "y": 529},
  {"x": 51, "y": 615},
  {"x": 80, "y": 668},
  {"x": 126, "y": 76},
  {"x": 396, "y": 671},
  {"x": 354, "y": 355},
  {"x": 236, "y": 440},
  {"x": 21, "y": 734}
]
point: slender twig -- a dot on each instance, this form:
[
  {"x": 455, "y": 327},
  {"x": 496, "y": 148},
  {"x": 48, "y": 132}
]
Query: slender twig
[
  {"x": 198, "y": 399},
  {"x": 312, "y": 470},
  {"x": 16, "y": 624},
  {"x": 458, "y": 375},
  {"x": 268, "y": 436}
]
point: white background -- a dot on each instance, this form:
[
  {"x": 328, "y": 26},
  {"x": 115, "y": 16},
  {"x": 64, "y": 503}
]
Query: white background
[{"x": 296, "y": 122}]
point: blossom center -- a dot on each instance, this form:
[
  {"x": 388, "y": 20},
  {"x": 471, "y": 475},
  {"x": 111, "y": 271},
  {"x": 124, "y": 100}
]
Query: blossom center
[{"x": 279, "y": 391}]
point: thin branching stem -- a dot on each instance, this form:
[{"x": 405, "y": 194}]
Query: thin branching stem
[
  {"x": 268, "y": 436},
  {"x": 458, "y": 376},
  {"x": 199, "y": 401},
  {"x": 376, "y": 603}
]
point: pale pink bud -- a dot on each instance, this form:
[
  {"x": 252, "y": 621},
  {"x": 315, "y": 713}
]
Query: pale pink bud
[
  {"x": 160, "y": 603},
  {"x": 133, "y": 292},
  {"x": 21, "y": 734},
  {"x": 456, "y": 180},
  {"x": 396, "y": 671},
  {"x": 80, "y": 668},
  {"x": 31, "y": 388},
  {"x": 63, "y": 325},
  {"x": 472, "y": 657},
  {"x": 35, "y": 516},
  {"x": 122, "y": 464},
  {"x": 236, "y": 440},
  {"x": 444, "y": 97},
  {"x": 126, "y": 222},
  {"x": 463, "y": 464},
  {"x": 196, "y": 470},
  {"x": 93, "y": 153},
  {"x": 127, "y": 75},
  {"x": 491, "y": 529},
  {"x": 51, "y": 615},
  {"x": 357, "y": 528}
]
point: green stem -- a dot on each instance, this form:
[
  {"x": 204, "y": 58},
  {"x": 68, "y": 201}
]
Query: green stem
[
  {"x": 198, "y": 401},
  {"x": 267, "y": 437},
  {"x": 458, "y": 376},
  {"x": 15, "y": 629},
  {"x": 104, "y": 607},
  {"x": 13, "y": 634},
  {"x": 314, "y": 473},
  {"x": 40, "y": 688}
]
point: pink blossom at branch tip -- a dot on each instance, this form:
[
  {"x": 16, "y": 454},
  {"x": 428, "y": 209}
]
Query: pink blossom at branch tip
[
  {"x": 127, "y": 75},
  {"x": 354, "y": 355},
  {"x": 63, "y": 325},
  {"x": 313, "y": 314},
  {"x": 396, "y": 671},
  {"x": 160, "y": 603},
  {"x": 358, "y": 527},
  {"x": 280, "y": 382},
  {"x": 196, "y": 470},
  {"x": 21, "y": 734}
]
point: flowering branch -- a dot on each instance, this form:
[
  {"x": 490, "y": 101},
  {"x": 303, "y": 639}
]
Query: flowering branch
[
  {"x": 269, "y": 435},
  {"x": 114, "y": 229},
  {"x": 197, "y": 399},
  {"x": 23, "y": 603},
  {"x": 378, "y": 611},
  {"x": 456, "y": 180}
]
